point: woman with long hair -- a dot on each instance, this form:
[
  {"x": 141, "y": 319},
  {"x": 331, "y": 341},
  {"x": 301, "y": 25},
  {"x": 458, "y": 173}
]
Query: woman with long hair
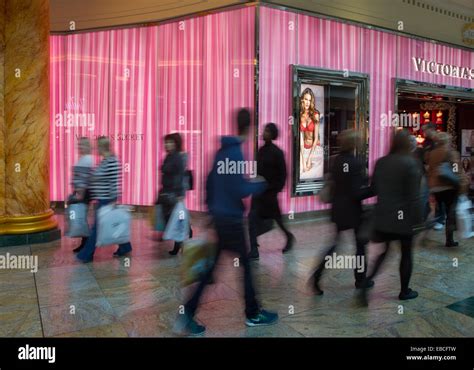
[
  {"x": 172, "y": 172},
  {"x": 310, "y": 151},
  {"x": 446, "y": 192}
]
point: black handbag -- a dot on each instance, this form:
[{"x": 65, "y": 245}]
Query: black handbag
[
  {"x": 189, "y": 179},
  {"x": 446, "y": 174},
  {"x": 167, "y": 199}
]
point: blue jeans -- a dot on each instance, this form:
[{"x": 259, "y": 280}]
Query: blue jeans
[{"x": 87, "y": 253}]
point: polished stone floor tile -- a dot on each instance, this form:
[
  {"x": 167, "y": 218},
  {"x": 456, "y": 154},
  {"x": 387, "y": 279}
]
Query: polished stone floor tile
[
  {"x": 153, "y": 321},
  {"x": 141, "y": 295},
  {"x": 466, "y": 307},
  {"x": 21, "y": 321},
  {"x": 114, "y": 330},
  {"x": 16, "y": 280},
  {"x": 67, "y": 318},
  {"x": 438, "y": 323},
  {"x": 226, "y": 319}
]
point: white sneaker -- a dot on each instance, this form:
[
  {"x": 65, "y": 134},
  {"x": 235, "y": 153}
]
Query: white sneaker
[{"x": 437, "y": 226}]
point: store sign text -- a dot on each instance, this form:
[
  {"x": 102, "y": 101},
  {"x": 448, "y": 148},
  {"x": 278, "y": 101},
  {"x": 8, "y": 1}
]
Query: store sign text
[{"x": 443, "y": 69}]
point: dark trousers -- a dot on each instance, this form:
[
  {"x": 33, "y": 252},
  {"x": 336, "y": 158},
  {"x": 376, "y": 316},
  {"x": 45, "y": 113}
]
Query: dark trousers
[
  {"x": 406, "y": 262},
  {"x": 87, "y": 253},
  {"x": 360, "y": 253},
  {"x": 448, "y": 200},
  {"x": 231, "y": 236},
  {"x": 440, "y": 212},
  {"x": 253, "y": 221}
]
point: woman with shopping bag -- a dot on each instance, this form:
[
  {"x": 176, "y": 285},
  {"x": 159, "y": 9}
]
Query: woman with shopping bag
[
  {"x": 105, "y": 189},
  {"x": 172, "y": 191},
  {"x": 78, "y": 201}
]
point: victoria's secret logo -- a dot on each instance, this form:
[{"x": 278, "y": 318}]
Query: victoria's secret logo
[{"x": 443, "y": 69}]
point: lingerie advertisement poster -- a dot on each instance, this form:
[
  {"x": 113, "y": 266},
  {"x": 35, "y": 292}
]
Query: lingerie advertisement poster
[{"x": 311, "y": 132}]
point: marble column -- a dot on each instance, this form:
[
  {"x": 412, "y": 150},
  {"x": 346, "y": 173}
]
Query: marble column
[
  {"x": 24, "y": 135},
  {"x": 2, "y": 114}
]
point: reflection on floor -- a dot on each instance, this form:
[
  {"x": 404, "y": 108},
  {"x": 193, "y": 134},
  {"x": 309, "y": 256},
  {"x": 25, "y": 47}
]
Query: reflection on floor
[{"x": 109, "y": 298}]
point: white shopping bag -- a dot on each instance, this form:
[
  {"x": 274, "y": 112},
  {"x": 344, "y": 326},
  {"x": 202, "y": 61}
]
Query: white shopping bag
[
  {"x": 113, "y": 225},
  {"x": 77, "y": 225},
  {"x": 177, "y": 228},
  {"x": 463, "y": 217}
]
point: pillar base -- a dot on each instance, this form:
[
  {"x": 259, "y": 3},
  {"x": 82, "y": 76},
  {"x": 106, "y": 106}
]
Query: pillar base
[
  {"x": 20, "y": 230},
  {"x": 18, "y": 225},
  {"x": 27, "y": 239}
]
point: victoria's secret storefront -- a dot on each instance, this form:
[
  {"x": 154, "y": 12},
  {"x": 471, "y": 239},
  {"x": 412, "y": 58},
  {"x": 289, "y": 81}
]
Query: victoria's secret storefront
[{"x": 311, "y": 76}]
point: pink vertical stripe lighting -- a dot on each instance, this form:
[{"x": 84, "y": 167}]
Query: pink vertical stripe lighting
[{"x": 136, "y": 85}]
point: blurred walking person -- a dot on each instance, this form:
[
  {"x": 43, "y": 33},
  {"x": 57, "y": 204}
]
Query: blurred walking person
[
  {"x": 172, "y": 180},
  {"x": 428, "y": 146},
  {"x": 349, "y": 181},
  {"x": 272, "y": 167},
  {"x": 80, "y": 179},
  {"x": 225, "y": 191},
  {"x": 188, "y": 181},
  {"x": 105, "y": 189},
  {"x": 443, "y": 161},
  {"x": 398, "y": 212}
]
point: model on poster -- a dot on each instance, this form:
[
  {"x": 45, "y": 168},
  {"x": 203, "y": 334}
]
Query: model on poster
[{"x": 311, "y": 139}]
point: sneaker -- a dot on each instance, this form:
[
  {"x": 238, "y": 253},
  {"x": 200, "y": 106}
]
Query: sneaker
[
  {"x": 186, "y": 326},
  {"x": 437, "y": 226},
  {"x": 194, "y": 329},
  {"x": 409, "y": 294},
  {"x": 262, "y": 318}
]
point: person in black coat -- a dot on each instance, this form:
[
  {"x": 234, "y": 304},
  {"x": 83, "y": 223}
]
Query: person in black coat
[
  {"x": 347, "y": 173},
  {"x": 172, "y": 174},
  {"x": 398, "y": 212},
  {"x": 271, "y": 166}
]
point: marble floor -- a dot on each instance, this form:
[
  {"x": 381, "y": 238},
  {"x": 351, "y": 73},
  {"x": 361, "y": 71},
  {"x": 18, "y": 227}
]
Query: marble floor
[{"x": 141, "y": 296}]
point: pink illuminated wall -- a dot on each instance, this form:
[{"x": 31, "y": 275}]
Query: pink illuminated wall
[
  {"x": 136, "y": 85},
  {"x": 289, "y": 38}
]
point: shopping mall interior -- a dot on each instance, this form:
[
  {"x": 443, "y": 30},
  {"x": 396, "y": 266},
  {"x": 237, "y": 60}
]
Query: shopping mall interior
[{"x": 102, "y": 80}]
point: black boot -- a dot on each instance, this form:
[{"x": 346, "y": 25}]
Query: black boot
[
  {"x": 254, "y": 255},
  {"x": 314, "y": 283},
  {"x": 289, "y": 243},
  {"x": 177, "y": 247},
  {"x": 450, "y": 238},
  {"x": 79, "y": 248}
]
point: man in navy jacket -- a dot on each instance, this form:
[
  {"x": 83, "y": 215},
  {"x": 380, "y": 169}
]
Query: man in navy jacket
[{"x": 226, "y": 187}]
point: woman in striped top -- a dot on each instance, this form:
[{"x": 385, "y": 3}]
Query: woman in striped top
[{"x": 105, "y": 189}]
